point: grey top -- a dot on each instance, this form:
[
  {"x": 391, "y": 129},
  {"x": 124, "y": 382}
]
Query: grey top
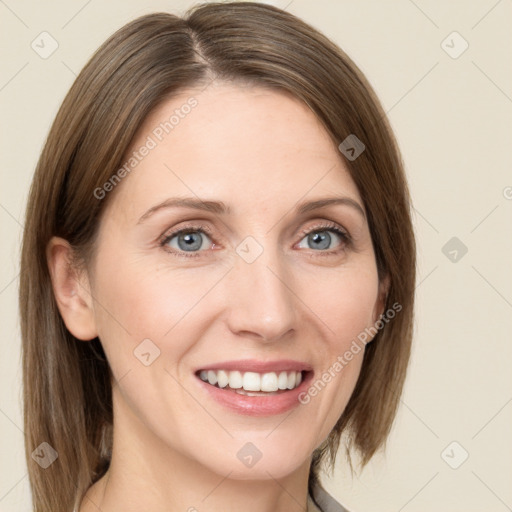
[{"x": 322, "y": 501}]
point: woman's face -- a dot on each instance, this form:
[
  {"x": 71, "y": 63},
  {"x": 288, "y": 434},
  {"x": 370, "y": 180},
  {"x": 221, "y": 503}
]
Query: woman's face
[{"x": 265, "y": 284}]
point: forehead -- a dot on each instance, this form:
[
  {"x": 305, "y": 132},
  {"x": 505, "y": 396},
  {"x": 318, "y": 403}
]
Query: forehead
[{"x": 249, "y": 147}]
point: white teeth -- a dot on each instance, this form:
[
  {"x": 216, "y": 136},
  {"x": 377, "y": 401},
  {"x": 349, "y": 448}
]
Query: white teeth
[
  {"x": 269, "y": 382},
  {"x": 222, "y": 379},
  {"x": 252, "y": 381},
  {"x": 212, "y": 377},
  {"x": 290, "y": 384},
  {"x": 253, "y": 393},
  {"x": 235, "y": 380},
  {"x": 282, "y": 381}
]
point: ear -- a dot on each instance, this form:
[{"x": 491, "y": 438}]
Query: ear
[
  {"x": 380, "y": 303},
  {"x": 71, "y": 288}
]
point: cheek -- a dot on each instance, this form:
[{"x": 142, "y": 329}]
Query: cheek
[
  {"x": 344, "y": 300},
  {"x": 345, "y": 303},
  {"x": 134, "y": 303}
]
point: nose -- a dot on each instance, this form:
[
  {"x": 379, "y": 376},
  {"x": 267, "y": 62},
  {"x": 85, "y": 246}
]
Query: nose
[{"x": 260, "y": 298}]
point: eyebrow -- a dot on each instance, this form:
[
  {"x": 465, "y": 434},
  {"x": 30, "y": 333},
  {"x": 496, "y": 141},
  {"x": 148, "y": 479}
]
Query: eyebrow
[
  {"x": 322, "y": 203},
  {"x": 220, "y": 208},
  {"x": 217, "y": 207}
]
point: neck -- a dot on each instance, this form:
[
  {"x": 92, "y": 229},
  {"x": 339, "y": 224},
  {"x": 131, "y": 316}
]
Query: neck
[{"x": 147, "y": 474}]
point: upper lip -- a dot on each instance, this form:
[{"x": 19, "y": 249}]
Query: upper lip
[{"x": 253, "y": 365}]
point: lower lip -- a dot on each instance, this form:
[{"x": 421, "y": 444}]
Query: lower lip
[{"x": 258, "y": 405}]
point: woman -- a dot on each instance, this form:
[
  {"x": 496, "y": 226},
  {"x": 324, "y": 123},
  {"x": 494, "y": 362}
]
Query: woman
[{"x": 218, "y": 271}]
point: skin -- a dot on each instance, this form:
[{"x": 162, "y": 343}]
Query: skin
[{"x": 260, "y": 152}]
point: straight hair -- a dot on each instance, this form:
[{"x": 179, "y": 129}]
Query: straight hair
[{"x": 67, "y": 382}]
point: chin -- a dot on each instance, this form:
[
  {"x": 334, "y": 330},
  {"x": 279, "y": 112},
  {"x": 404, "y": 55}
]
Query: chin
[{"x": 260, "y": 459}]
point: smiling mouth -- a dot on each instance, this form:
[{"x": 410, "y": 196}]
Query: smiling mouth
[{"x": 253, "y": 383}]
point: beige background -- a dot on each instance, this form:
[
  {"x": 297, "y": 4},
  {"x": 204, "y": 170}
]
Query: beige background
[{"x": 453, "y": 121}]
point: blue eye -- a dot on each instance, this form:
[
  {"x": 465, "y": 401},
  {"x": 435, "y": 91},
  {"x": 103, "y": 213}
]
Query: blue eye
[
  {"x": 321, "y": 239},
  {"x": 190, "y": 241},
  {"x": 187, "y": 240}
]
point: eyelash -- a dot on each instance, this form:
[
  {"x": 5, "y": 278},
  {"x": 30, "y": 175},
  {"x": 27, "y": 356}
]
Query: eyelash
[{"x": 326, "y": 226}]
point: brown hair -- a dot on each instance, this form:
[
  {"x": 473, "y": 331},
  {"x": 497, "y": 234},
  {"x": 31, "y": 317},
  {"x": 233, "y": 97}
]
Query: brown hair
[{"x": 67, "y": 389}]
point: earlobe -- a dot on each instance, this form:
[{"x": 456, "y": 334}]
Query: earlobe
[{"x": 71, "y": 289}]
